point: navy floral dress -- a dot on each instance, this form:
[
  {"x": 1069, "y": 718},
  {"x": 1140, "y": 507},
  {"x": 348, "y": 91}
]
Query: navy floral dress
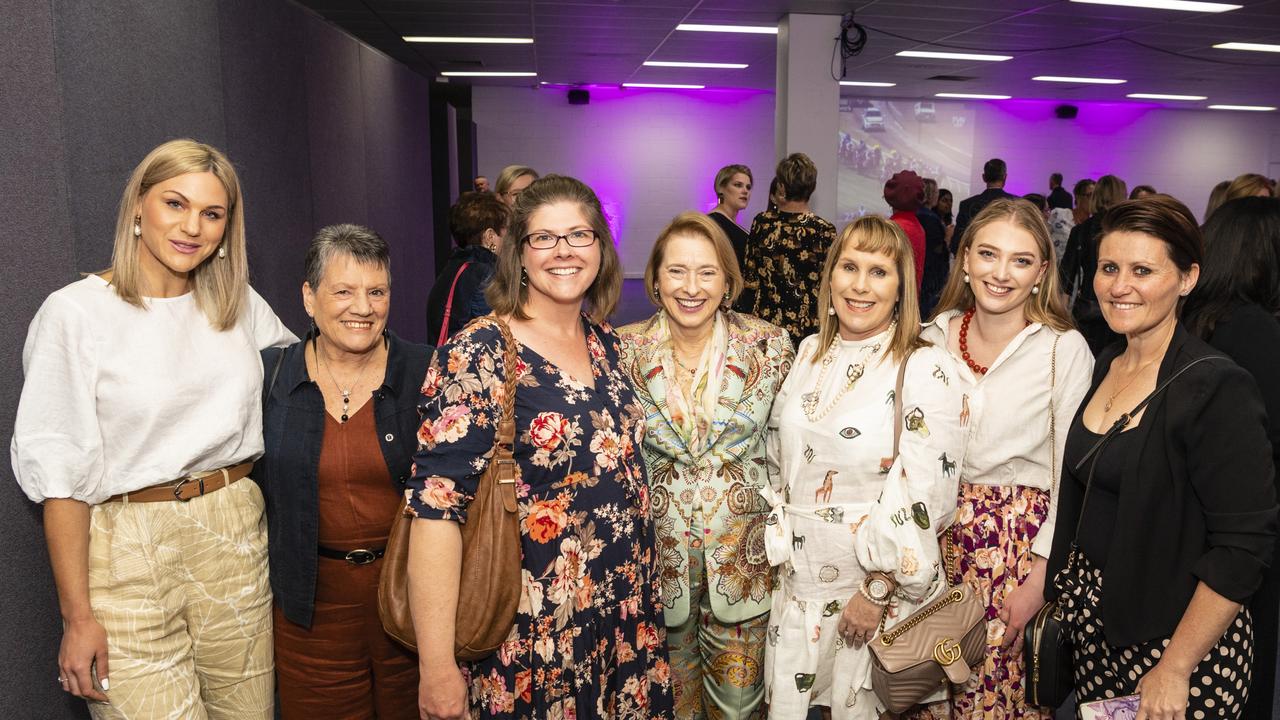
[{"x": 589, "y": 641}]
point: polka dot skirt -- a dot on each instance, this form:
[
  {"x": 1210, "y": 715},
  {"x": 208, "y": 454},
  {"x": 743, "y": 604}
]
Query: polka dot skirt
[{"x": 1219, "y": 684}]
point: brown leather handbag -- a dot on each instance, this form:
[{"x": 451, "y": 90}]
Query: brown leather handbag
[
  {"x": 938, "y": 643},
  {"x": 489, "y": 585}
]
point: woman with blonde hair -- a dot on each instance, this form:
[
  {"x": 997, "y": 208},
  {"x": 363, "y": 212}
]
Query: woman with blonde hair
[
  {"x": 512, "y": 181},
  {"x": 588, "y": 639},
  {"x": 853, "y": 528},
  {"x": 1022, "y": 368},
  {"x": 1248, "y": 185},
  {"x": 706, "y": 377},
  {"x": 140, "y": 415}
]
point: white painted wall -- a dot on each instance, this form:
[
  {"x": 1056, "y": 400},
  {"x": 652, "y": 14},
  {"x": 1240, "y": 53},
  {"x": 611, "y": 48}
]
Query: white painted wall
[
  {"x": 1183, "y": 153},
  {"x": 649, "y": 154}
]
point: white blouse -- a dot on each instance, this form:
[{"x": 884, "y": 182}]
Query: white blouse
[
  {"x": 1006, "y": 411},
  {"x": 117, "y": 398}
]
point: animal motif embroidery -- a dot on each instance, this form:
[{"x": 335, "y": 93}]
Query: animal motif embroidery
[
  {"x": 920, "y": 514},
  {"x": 914, "y": 421},
  {"x": 964, "y": 410},
  {"x": 797, "y": 542},
  {"x": 948, "y": 466},
  {"x": 823, "y": 494},
  {"x": 830, "y": 514},
  {"x": 831, "y": 608},
  {"x": 809, "y": 454},
  {"x": 939, "y": 374}
]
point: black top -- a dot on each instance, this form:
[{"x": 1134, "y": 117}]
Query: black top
[
  {"x": 969, "y": 209},
  {"x": 1080, "y": 259},
  {"x": 739, "y": 239},
  {"x": 1104, "y": 496},
  {"x": 1060, "y": 198},
  {"x": 468, "y": 296},
  {"x": 937, "y": 261},
  {"x": 293, "y": 431},
  {"x": 1197, "y": 500},
  {"x": 1251, "y": 336}
]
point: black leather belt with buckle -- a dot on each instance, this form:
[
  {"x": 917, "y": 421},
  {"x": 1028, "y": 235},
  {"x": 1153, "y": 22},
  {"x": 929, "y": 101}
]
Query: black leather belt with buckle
[{"x": 359, "y": 556}]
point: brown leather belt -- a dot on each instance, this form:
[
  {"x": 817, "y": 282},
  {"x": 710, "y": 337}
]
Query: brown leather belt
[{"x": 184, "y": 489}]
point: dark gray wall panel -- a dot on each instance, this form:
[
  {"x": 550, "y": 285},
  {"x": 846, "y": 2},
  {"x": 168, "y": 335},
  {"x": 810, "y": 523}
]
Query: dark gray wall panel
[
  {"x": 397, "y": 172},
  {"x": 133, "y": 74},
  {"x": 336, "y": 125},
  {"x": 39, "y": 250},
  {"x": 266, "y": 117}
]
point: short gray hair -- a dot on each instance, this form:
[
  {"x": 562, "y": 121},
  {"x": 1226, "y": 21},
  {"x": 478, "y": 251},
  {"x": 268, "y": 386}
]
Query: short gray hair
[{"x": 361, "y": 243}]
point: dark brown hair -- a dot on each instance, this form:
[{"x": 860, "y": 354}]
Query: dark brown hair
[
  {"x": 1162, "y": 217},
  {"x": 474, "y": 213},
  {"x": 507, "y": 296}
]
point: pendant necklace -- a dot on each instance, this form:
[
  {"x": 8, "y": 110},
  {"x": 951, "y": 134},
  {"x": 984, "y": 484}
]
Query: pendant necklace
[
  {"x": 346, "y": 392},
  {"x": 853, "y": 373},
  {"x": 1106, "y": 407}
]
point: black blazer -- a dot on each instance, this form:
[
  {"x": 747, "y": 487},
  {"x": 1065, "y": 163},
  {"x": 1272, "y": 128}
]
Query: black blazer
[
  {"x": 293, "y": 431},
  {"x": 969, "y": 209},
  {"x": 1196, "y": 503}
]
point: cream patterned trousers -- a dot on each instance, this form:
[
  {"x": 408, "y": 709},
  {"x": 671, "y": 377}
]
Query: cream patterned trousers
[{"x": 182, "y": 591}]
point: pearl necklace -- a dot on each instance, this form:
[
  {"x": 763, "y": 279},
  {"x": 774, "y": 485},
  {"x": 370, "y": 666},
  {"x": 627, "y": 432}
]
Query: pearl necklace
[{"x": 854, "y": 372}]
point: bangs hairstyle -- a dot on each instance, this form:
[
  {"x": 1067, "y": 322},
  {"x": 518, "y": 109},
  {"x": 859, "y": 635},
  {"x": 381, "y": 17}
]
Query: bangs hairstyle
[
  {"x": 874, "y": 234},
  {"x": 219, "y": 285},
  {"x": 697, "y": 225},
  {"x": 355, "y": 241},
  {"x": 505, "y": 294},
  {"x": 1165, "y": 219},
  {"x": 726, "y": 174},
  {"x": 1045, "y": 307}
]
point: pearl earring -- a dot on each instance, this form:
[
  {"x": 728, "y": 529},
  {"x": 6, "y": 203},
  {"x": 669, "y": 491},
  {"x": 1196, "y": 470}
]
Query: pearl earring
[
  {"x": 137, "y": 227},
  {"x": 1035, "y": 289},
  {"x": 966, "y": 278},
  {"x": 222, "y": 251},
  {"x": 831, "y": 311}
]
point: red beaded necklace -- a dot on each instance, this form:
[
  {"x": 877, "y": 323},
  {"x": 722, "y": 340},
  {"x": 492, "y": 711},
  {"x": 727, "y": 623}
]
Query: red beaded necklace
[{"x": 964, "y": 343}]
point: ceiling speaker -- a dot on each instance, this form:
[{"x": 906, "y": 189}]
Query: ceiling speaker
[
  {"x": 578, "y": 96},
  {"x": 1066, "y": 112}
]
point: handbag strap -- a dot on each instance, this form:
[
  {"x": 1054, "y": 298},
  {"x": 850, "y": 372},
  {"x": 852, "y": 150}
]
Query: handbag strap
[
  {"x": 1118, "y": 426},
  {"x": 1053, "y": 418},
  {"x": 448, "y": 307},
  {"x": 897, "y": 403},
  {"x": 504, "y": 438}
]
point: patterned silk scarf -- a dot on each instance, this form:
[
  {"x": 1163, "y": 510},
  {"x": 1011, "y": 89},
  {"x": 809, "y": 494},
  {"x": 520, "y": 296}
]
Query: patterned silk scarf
[{"x": 693, "y": 407}]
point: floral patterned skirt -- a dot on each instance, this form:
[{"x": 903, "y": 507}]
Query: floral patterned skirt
[{"x": 991, "y": 548}]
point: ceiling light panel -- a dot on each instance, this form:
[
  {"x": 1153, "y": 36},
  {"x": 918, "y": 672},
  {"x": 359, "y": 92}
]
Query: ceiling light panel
[
  {"x": 1163, "y": 96},
  {"x": 670, "y": 86},
  {"x": 1187, "y": 5},
  {"x": 953, "y": 56},
  {"x": 972, "y": 96},
  {"x": 866, "y": 83},
  {"x": 1084, "y": 80},
  {"x": 487, "y": 73},
  {"x": 468, "y": 40},
  {"x": 749, "y": 29},
  {"x": 1252, "y": 108},
  {"x": 681, "y": 64},
  {"x": 1256, "y": 47}
]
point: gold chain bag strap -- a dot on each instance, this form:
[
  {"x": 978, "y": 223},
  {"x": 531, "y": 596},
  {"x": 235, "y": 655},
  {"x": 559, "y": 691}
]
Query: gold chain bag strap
[
  {"x": 937, "y": 643},
  {"x": 489, "y": 584}
]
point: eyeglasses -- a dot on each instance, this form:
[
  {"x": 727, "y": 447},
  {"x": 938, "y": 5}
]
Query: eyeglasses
[{"x": 546, "y": 240}]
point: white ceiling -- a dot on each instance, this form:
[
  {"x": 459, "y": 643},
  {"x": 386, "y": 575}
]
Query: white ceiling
[{"x": 606, "y": 42}]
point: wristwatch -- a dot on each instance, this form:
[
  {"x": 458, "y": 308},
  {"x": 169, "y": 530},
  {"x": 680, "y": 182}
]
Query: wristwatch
[{"x": 878, "y": 588}]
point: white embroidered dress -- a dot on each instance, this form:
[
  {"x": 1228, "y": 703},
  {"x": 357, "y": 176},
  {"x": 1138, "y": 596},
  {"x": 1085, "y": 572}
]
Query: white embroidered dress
[{"x": 828, "y": 528}]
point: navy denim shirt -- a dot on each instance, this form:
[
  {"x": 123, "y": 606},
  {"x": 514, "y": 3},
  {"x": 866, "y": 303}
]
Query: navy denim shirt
[{"x": 293, "y": 430}]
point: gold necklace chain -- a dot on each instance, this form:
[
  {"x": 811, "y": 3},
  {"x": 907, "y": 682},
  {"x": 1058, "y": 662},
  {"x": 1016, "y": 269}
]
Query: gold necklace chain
[
  {"x": 854, "y": 372},
  {"x": 1106, "y": 408}
]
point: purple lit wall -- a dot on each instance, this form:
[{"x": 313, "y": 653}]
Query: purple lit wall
[
  {"x": 648, "y": 154},
  {"x": 1178, "y": 151}
]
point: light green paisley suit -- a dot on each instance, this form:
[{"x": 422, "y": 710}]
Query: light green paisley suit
[{"x": 716, "y": 579}]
